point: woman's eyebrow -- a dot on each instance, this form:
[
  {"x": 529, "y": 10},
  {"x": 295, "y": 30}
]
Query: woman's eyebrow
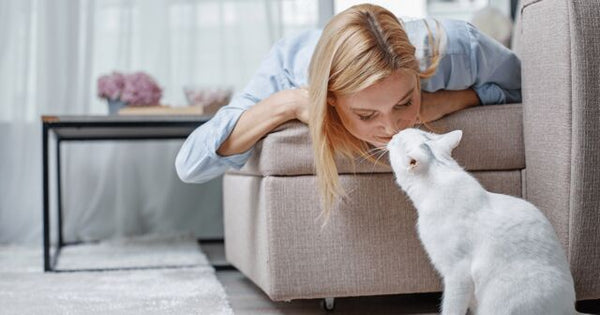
[{"x": 400, "y": 100}]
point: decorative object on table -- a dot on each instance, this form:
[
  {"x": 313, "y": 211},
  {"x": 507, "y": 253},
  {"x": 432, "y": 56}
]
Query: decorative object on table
[
  {"x": 135, "y": 89},
  {"x": 115, "y": 105},
  {"x": 209, "y": 99}
]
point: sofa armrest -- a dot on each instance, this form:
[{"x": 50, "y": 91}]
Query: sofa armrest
[
  {"x": 559, "y": 45},
  {"x": 492, "y": 141}
]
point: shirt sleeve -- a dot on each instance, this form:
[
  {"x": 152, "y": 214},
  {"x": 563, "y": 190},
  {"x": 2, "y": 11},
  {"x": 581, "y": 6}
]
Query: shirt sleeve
[
  {"x": 471, "y": 59},
  {"x": 197, "y": 160},
  {"x": 496, "y": 70}
]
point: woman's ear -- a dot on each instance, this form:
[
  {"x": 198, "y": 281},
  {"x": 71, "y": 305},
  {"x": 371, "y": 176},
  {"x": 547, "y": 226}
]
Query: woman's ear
[{"x": 331, "y": 100}]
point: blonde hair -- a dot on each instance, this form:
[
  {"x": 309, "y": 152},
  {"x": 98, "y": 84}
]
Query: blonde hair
[{"x": 358, "y": 47}]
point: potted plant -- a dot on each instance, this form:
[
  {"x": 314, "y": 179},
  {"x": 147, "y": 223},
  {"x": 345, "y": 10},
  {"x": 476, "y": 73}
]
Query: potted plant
[{"x": 135, "y": 89}]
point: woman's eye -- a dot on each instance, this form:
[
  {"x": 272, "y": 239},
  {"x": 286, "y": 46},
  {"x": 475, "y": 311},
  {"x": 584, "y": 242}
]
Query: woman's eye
[
  {"x": 399, "y": 106},
  {"x": 365, "y": 117}
]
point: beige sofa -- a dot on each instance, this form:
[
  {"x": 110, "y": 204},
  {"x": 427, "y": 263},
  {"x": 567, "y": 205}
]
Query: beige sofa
[{"x": 546, "y": 150}]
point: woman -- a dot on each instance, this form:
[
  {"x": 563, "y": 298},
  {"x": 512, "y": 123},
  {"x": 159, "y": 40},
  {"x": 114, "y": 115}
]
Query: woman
[{"x": 366, "y": 81}]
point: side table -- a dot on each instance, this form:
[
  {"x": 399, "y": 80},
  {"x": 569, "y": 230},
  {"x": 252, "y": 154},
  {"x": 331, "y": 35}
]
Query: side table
[{"x": 92, "y": 128}]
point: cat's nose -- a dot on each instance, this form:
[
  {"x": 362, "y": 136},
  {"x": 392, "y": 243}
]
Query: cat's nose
[{"x": 389, "y": 145}]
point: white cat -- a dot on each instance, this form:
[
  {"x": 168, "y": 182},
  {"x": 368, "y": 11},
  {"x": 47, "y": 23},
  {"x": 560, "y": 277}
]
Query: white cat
[{"x": 497, "y": 254}]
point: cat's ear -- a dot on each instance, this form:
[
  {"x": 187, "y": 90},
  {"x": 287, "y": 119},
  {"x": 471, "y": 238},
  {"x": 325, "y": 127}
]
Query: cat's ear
[
  {"x": 445, "y": 143},
  {"x": 451, "y": 140},
  {"x": 412, "y": 164},
  {"x": 417, "y": 161}
]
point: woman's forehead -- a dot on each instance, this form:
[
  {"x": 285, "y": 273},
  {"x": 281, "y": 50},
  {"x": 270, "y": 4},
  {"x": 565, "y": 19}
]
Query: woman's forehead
[{"x": 388, "y": 91}]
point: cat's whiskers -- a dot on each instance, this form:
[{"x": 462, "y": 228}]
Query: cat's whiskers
[
  {"x": 373, "y": 152},
  {"x": 377, "y": 152},
  {"x": 383, "y": 151}
]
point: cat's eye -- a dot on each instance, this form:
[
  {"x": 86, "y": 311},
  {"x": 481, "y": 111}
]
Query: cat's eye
[{"x": 413, "y": 162}]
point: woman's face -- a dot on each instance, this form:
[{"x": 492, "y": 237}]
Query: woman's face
[{"x": 378, "y": 112}]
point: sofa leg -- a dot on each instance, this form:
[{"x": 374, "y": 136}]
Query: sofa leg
[{"x": 328, "y": 304}]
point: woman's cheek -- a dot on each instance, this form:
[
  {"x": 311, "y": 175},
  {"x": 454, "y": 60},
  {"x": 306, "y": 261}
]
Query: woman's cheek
[
  {"x": 358, "y": 129},
  {"x": 363, "y": 132},
  {"x": 412, "y": 113}
]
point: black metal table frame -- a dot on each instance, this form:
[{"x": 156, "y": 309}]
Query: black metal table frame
[{"x": 56, "y": 123}]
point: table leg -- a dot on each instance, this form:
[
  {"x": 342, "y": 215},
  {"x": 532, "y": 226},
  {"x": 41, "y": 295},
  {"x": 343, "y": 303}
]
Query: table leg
[
  {"x": 59, "y": 197},
  {"x": 46, "y": 205}
]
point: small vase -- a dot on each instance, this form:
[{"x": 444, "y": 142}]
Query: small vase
[{"x": 114, "y": 106}]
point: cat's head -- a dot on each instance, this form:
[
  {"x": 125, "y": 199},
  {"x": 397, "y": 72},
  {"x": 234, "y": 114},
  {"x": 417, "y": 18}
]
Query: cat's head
[{"x": 413, "y": 151}]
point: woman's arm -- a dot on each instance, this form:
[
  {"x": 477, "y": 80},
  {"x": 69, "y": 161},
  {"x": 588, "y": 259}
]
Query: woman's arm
[
  {"x": 263, "y": 117},
  {"x": 443, "y": 102},
  {"x": 225, "y": 140},
  {"x": 211, "y": 148}
]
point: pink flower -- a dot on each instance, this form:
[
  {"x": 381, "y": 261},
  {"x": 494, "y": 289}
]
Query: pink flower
[
  {"x": 136, "y": 89},
  {"x": 111, "y": 86}
]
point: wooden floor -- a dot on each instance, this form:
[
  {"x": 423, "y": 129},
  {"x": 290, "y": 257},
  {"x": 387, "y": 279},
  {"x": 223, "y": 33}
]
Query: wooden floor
[{"x": 246, "y": 298}]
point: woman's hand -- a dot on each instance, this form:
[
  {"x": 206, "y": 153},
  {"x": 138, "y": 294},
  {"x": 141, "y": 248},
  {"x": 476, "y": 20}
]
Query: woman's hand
[
  {"x": 295, "y": 102},
  {"x": 263, "y": 117},
  {"x": 302, "y": 103},
  {"x": 431, "y": 107},
  {"x": 443, "y": 102},
  {"x": 298, "y": 103}
]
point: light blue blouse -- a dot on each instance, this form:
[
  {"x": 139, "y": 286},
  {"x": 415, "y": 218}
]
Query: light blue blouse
[{"x": 470, "y": 59}]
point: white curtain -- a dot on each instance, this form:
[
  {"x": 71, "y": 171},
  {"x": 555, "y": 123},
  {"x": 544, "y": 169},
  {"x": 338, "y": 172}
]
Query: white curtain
[{"x": 51, "y": 54}]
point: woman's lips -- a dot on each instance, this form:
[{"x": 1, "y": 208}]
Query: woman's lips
[{"x": 384, "y": 139}]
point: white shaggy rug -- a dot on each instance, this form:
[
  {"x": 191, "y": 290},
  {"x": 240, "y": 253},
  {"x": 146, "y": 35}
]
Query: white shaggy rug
[{"x": 191, "y": 288}]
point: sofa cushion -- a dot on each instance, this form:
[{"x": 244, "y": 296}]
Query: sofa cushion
[{"x": 492, "y": 140}]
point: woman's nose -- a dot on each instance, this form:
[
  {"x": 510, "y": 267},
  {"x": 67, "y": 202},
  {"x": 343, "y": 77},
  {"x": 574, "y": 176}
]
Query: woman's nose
[{"x": 391, "y": 126}]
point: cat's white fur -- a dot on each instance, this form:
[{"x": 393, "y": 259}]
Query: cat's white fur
[{"x": 497, "y": 254}]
